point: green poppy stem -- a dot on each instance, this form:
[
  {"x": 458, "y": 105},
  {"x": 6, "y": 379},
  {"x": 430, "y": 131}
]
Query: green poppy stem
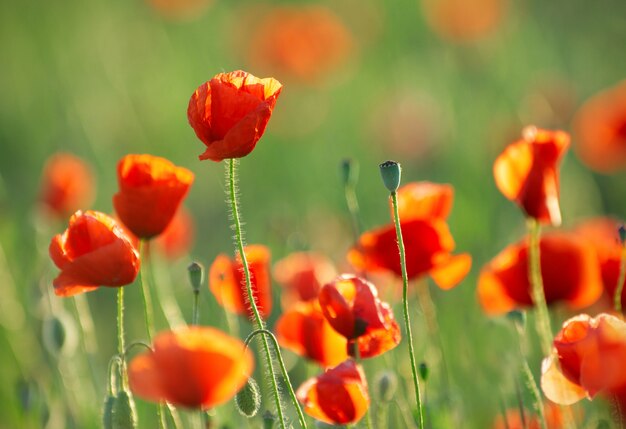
[
  {"x": 258, "y": 320},
  {"x": 405, "y": 302},
  {"x": 120, "y": 333},
  {"x": 144, "y": 250},
  {"x": 537, "y": 293},
  {"x": 620, "y": 281}
]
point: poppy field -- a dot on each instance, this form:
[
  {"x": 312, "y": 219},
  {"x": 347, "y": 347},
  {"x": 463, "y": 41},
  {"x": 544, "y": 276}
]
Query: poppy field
[{"x": 283, "y": 214}]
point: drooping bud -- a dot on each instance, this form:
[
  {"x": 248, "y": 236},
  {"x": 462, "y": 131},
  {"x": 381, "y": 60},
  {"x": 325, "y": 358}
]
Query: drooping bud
[
  {"x": 248, "y": 399},
  {"x": 391, "y": 172},
  {"x": 196, "y": 275},
  {"x": 386, "y": 384},
  {"x": 124, "y": 415},
  {"x": 59, "y": 334},
  {"x": 349, "y": 172},
  {"x": 424, "y": 371},
  {"x": 107, "y": 411}
]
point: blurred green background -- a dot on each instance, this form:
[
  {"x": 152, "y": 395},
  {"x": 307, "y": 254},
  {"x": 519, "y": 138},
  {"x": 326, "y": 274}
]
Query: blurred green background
[{"x": 101, "y": 79}]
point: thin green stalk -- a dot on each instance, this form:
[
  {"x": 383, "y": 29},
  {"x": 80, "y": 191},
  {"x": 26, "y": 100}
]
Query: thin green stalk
[
  {"x": 258, "y": 320},
  {"x": 539, "y": 299},
  {"x": 620, "y": 281},
  {"x": 353, "y": 208},
  {"x": 357, "y": 358},
  {"x": 195, "y": 316},
  {"x": 120, "y": 333},
  {"x": 405, "y": 302},
  {"x": 144, "y": 249}
]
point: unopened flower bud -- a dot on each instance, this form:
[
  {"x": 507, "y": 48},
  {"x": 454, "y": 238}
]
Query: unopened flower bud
[
  {"x": 196, "y": 275},
  {"x": 59, "y": 334},
  {"x": 424, "y": 371},
  {"x": 248, "y": 399},
  {"x": 268, "y": 420},
  {"x": 349, "y": 172},
  {"x": 124, "y": 415},
  {"x": 518, "y": 318},
  {"x": 107, "y": 411},
  {"x": 622, "y": 233},
  {"x": 386, "y": 385},
  {"x": 391, "y": 173}
]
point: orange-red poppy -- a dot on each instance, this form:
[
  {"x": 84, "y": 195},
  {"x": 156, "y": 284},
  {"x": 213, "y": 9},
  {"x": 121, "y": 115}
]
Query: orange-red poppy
[
  {"x": 338, "y": 396},
  {"x": 303, "y": 42},
  {"x": 93, "y": 251},
  {"x": 526, "y": 173},
  {"x": 352, "y": 307},
  {"x": 194, "y": 367},
  {"x": 304, "y": 330},
  {"x": 569, "y": 270},
  {"x": 178, "y": 237},
  {"x": 302, "y": 275},
  {"x": 67, "y": 184},
  {"x": 514, "y": 420},
  {"x": 180, "y": 9},
  {"x": 228, "y": 284},
  {"x": 229, "y": 113},
  {"x": 587, "y": 358},
  {"x": 428, "y": 245},
  {"x": 151, "y": 190},
  {"x": 424, "y": 200},
  {"x": 600, "y": 130},
  {"x": 461, "y": 21}
]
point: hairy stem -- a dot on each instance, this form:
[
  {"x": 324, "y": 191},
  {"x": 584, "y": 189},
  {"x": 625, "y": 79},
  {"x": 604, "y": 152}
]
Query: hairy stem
[{"x": 539, "y": 299}]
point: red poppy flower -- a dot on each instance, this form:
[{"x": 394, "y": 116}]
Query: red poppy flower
[
  {"x": 428, "y": 246},
  {"x": 151, "y": 190},
  {"x": 178, "y": 237},
  {"x": 228, "y": 283},
  {"x": 195, "y": 367},
  {"x": 229, "y": 113},
  {"x": 304, "y": 42},
  {"x": 92, "y": 252},
  {"x": 588, "y": 358},
  {"x": 424, "y": 200},
  {"x": 600, "y": 130},
  {"x": 569, "y": 271},
  {"x": 305, "y": 331},
  {"x": 302, "y": 275},
  {"x": 180, "y": 9},
  {"x": 338, "y": 396},
  {"x": 67, "y": 184},
  {"x": 351, "y": 306},
  {"x": 526, "y": 172},
  {"x": 552, "y": 412}
]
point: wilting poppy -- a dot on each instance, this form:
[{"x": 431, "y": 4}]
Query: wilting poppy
[
  {"x": 93, "y": 251},
  {"x": 151, "y": 190},
  {"x": 569, "y": 270},
  {"x": 228, "y": 284},
  {"x": 600, "y": 130},
  {"x": 302, "y": 275},
  {"x": 303, "y": 42},
  {"x": 194, "y": 367},
  {"x": 352, "y": 307},
  {"x": 424, "y": 200},
  {"x": 67, "y": 184},
  {"x": 428, "y": 245},
  {"x": 514, "y": 420},
  {"x": 338, "y": 396},
  {"x": 178, "y": 237},
  {"x": 526, "y": 173},
  {"x": 587, "y": 359},
  {"x": 229, "y": 113},
  {"x": 459, "y": 20},
  {"x": 304, "y": 330}
]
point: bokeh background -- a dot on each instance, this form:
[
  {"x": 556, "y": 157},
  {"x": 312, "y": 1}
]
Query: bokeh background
[{"x": 439, "y": 85}]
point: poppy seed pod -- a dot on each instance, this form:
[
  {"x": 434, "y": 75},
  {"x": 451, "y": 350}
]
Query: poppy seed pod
[
  {"x": 424, "y": 371},
  {"x": 248, "y": 399},
  {"x": 391, "y": 172},
  {"x": 59, "y": 334},
  {"x": 196, "y": 275},
  {"x": 386, "y": 385}
]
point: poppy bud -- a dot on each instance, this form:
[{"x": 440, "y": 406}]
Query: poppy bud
[
  {"x": 59, "y": 334},
  {"x": 622, "y": 233},
  {"x": 386, "y": 385},
  {"x": 268, "y": 420},
  {"x": 424, "y": 371},
  {"x": 349, "y": 172},
  {"x": 196, "y": 275},
  {"x": 391, "y": 173},
  {"x": 107, "y": 411},
  {"x": 248, "y": 399},
  {"x": 123, "y": 415},
  {"x": 518, "y": 318}
]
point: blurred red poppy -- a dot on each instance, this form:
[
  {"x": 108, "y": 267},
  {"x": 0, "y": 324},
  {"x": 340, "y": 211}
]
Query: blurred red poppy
[
  {"x": 526, "y": 173},
  {"x": 194, "y": 367},
  {"x": 303, "y": 42},
  {"x": 178, "y": 237},
  {"x": 461, "y": 21},
  {"x": 603, "y": 236},
  {"x": 67, "y": 184},
  {"x": 229, "y": 113},
  {"x": 428, "y": 245},
  {"x": 588, "y": 358},
  {"x": 304, "y": 330},
  {"x": 569, "y": 270},
  {"x": 93, "y": 251},
  {"x": 514, "y": 420},
  {"x": 351, "y": 306},
  {"x": 180, "y": 9},
  {"x": 338, "y": 396},
  {"x": 302, "y": 275},
  {"x": 424, "y": 200},
  {"x": 600, "y": 130},
  {"x": 228, "y": 284},
  {"x": 151, "y": 190}
]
